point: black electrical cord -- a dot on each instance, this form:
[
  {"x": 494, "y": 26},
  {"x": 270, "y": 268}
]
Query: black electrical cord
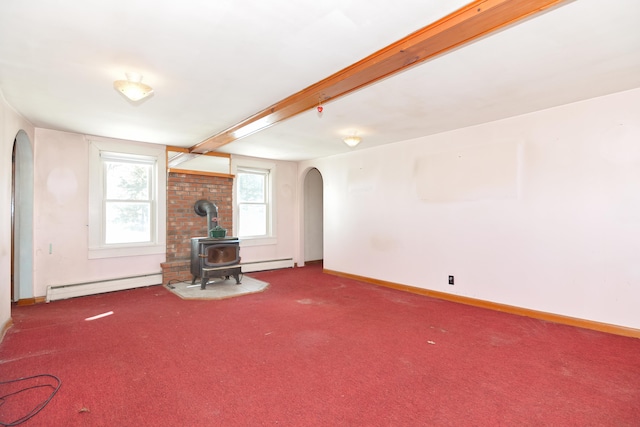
[{"x": 38, "y": 407}]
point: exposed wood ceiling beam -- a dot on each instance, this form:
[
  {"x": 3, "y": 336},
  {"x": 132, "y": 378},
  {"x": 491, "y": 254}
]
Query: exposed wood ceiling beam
[
  {"x": 469, "y": 23},
  {"x": 179, "y": 155}
]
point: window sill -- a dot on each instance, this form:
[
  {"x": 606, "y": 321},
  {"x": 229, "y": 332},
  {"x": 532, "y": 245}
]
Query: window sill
[
  {"x": 258, "y": 241},
  {"x": 126, "y": 251}
]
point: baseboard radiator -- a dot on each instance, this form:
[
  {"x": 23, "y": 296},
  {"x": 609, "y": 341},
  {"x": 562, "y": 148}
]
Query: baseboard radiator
[
  {"x": 58, "y": 292},
  {"x": 248, "y": 267}
]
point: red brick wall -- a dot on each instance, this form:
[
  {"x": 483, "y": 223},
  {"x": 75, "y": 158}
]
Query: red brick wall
[{"x": 183, "y": 190}]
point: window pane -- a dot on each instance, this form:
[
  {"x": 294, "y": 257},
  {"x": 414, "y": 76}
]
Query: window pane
[
  {"x": 251, "y": 187},
  {"x": 127, "y": 222},
  {"x": 253, "y": 220},
  {"x": 127, "y": 181}
]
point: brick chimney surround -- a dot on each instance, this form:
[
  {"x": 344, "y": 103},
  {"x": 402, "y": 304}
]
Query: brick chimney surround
[{"x": 183, "y": 190}]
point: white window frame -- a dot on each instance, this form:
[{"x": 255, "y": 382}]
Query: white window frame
[
  {"x": 132, "y": 151},
  {"x": 270, "y": 168}
]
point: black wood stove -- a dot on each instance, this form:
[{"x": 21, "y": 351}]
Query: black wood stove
[{"x": 215, "y": 257}]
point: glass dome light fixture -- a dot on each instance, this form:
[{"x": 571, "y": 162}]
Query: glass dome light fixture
[
  {"x": 133, "y": 88},
  {"x": 352, "y": 140}
]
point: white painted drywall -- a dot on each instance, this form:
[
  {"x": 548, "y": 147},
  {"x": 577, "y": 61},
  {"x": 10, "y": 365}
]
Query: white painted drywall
[{"x": 555, "y": 229}]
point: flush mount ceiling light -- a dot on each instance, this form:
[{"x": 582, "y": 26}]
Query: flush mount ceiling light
[
  {"x": 133, "y": 88},
  {"x": 352, "y": 140}
]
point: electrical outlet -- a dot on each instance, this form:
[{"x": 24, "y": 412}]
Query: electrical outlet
[{"x": 451, "y": 280}]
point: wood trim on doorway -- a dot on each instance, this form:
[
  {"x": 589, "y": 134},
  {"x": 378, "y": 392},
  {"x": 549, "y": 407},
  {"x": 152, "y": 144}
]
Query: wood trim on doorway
[
  {"x": 31, "y": 301},
  {"x": 13, "y": 216}
]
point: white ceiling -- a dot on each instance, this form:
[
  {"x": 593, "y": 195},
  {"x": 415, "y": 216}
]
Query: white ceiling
[{"x": 214, "y": 63}]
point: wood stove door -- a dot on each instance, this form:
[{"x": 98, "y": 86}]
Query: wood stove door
[{"x": 219, "y": 255}]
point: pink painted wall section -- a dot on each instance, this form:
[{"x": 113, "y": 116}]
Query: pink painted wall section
[
  {"x": 62, "y": 210},
  {"x": 540, "y": 211},
  {"x": 61, "y": 218}
]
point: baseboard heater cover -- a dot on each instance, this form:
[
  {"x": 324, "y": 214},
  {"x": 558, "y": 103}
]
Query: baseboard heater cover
[
  {"x": 248, "y": 267},
  {"x": 58, "y": 292}
]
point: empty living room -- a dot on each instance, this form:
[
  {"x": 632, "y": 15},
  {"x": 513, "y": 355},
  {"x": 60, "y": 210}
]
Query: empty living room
[{"x": 409, "y": 213}]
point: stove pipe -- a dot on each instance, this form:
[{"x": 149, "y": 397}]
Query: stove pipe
[{"x": 205, "y": 207}]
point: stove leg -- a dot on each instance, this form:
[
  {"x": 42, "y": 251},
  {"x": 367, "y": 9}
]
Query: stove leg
[
  {"x": 203, "y": 284},
  {"x": 237, "y": 277}
]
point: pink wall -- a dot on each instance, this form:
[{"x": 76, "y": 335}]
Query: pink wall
[
  {"x": 62, "y": 209},
  {"x": 61, "y": 218}
]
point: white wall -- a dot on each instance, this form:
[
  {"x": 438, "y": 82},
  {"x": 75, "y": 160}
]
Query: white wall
[
  {"x": 10, "y": 124},
  {"x": 540, "y": 211},
  {"x": 61, "y": 218}
]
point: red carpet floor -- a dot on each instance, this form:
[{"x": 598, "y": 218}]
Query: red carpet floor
[{"x": 312, "y": 350}]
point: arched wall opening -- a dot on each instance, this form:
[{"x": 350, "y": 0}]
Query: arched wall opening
[
  {"x": 313, "y": 231},
  {"x": 22, "y": 192}
]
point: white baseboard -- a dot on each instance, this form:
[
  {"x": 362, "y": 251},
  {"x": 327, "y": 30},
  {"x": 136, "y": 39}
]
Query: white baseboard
[
  {"x": 58, "y": 292},
  {"x": 248, "y": 267}
]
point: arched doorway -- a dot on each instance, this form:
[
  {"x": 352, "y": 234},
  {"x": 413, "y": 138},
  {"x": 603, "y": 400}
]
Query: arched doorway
[
  {"x": 22, "y": 219},
  {"x": 313, "y": 216}
]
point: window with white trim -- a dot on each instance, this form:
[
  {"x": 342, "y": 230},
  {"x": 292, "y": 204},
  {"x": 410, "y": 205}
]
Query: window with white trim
[
  {"x": 129, "y": 205},
  {"x": 127, "y": 193},
  {"x": 253, "y": 202}
]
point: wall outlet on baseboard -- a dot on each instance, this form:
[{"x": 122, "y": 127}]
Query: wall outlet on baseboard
[{"x": 451, "y": 280}]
